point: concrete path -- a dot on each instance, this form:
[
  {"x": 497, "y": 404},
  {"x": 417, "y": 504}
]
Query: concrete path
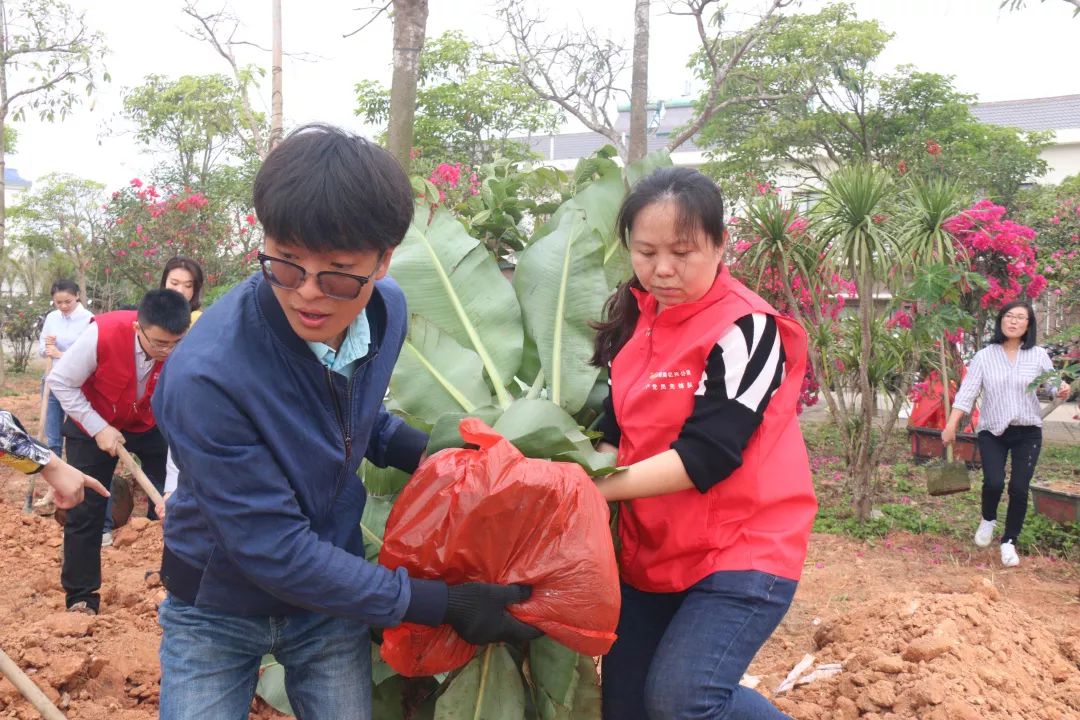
[{"x": 1060, "y": 426}]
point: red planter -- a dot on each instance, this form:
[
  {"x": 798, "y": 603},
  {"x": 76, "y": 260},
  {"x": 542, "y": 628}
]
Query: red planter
[
  {"x": 1057, "y": 504},
  {"x": 926, "y": 445}
]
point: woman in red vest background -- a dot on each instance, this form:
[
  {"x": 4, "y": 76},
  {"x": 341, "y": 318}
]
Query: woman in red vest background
[{"x": 716, "y": 501}]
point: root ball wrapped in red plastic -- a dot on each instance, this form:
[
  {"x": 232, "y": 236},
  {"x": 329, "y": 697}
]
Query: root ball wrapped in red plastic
[{"x": 493, "y": 515}]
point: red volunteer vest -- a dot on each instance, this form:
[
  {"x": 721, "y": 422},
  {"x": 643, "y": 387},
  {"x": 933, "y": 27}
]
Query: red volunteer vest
[
  {"x": 758, "y": 518},
  {"x": 111, "y": 388}
]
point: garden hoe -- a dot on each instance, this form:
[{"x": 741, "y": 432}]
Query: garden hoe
[
  {"x": 951, "y": 476},
  {"x": 29, "y": 690},
  {"x": 139, "y": 475}
]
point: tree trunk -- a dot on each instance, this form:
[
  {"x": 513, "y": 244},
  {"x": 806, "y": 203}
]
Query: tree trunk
[
  {"x": 3, "y": 213},
  {"x": 410, "y": 27},
  {"x": 639, "y": 83},
  {"x": 863, "y": 467},
  {"x": 276, "y": 121}
]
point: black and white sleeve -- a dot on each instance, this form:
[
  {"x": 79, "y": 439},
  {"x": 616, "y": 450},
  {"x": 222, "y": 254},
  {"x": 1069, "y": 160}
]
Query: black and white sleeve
[{"x": 742, "y": 372}]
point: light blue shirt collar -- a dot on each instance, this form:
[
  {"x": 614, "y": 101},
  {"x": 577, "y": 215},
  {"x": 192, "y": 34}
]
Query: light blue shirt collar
[{"x": 353, "y": 347}]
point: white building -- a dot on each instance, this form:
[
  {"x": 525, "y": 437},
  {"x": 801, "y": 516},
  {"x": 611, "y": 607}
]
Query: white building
[{"x": 1060, "y": 114}]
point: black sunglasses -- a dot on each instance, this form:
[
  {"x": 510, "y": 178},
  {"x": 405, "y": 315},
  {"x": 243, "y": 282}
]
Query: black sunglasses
[{"x": 290, "y": 276}]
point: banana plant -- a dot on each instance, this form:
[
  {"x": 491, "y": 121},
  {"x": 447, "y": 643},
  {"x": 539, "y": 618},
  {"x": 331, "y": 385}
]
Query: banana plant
[{"x": 515, "y": 355}]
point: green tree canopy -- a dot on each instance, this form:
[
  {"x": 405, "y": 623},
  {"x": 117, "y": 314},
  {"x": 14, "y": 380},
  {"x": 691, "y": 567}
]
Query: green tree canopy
[
  {"x": 63, "y": 213},
  {"x": 197, "y": 120},
  {"x": 467, "y": 108},
  {"x": 837, "y": 109}
]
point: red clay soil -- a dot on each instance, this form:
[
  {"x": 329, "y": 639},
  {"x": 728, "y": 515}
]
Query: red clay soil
[{"x": 923, "y": 628}]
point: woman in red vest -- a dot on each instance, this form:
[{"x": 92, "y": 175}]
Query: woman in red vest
[{"x": 716, "y": 498}]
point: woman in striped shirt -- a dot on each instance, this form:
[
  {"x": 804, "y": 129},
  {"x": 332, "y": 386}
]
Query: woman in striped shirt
[{"x": 1010, "y": 420}]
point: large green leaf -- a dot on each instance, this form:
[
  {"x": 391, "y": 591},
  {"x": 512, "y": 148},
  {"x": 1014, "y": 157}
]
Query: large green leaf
[
  {"x": 561, "y": 285},
  {"x": 383, "y": 481},
  {"x": 373, "y": 524},
  {"x": 641, "y": 169},
  {"x": 271, "y": 687},
  {"x": 488, "y": 688},
  {"x": 451, "y": 280},
  {"x": 445, "y": 432},
  {"x": 541, "y": 429},
  {"x": 386, "y": 699},
  {"x": 599, "y": 200},
  {"x": 565, "y": 683},
  {"x": 435, "y": 375}
]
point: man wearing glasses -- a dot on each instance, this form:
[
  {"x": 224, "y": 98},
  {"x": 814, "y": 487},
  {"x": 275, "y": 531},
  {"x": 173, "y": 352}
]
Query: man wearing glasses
[
  {"x": 269, "y": 408},
  {"x": 104, "y": 382}
]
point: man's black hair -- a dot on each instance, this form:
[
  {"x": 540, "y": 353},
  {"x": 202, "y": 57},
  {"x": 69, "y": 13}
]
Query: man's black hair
[
  {"x": 167, "y": 309},
  {"x": 326, "y": 189}
]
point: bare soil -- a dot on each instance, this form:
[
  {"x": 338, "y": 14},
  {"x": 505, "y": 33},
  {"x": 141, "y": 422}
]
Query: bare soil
[{"x": 923, "y": 627}]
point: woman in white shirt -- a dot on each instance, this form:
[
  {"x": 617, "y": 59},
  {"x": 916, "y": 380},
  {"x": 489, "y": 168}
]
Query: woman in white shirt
[
  {"x": 62, "y": 327},
  {"x": 1010, "y": 420}
]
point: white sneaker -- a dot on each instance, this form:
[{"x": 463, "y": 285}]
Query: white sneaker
[
  {"x": 1009, "y": 558},
  {"x": 985, "y": 533},
  {"x": 106, "y": 539}
]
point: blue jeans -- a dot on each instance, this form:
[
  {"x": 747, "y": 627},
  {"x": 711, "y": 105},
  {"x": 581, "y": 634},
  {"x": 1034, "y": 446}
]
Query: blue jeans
[
  {"x": 681, "y": 655},
  {"x": 210, "y": 663},
  {"x": 53, "y": 424}
]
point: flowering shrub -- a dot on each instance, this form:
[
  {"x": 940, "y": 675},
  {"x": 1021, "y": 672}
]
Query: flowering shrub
[
  {"x": 1000, "y": 250},
  {"x": 499, "y": 202},
  {"x": 20, "y": 325},
  {"x": 149, "y": 225},
  {"x": 825, "y": 294}
]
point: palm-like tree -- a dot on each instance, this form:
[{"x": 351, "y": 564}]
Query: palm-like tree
[{"x": 851, "y": 222}]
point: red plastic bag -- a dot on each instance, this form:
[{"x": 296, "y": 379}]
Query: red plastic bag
[{"x": 493, "y": 515}]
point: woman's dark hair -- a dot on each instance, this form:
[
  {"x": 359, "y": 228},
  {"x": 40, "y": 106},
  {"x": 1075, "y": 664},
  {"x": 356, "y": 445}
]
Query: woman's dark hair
[
  {"x": 326, "y": 189},
  {"x": 166, "y": 309},
  {"x": 193, "y": 267},
  {"x": 700, "y": 207},
  {"x": 1029, "y": 339},
  {"x": 65, "y": 285}
]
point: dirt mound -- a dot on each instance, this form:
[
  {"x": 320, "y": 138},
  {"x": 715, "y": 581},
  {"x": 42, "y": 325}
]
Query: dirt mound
[
  {"x": 94, "y": 668},
  {"x": 941, "y": 656}
]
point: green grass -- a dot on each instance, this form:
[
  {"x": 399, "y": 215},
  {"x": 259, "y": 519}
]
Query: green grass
[{"x": 901, "y": 503}]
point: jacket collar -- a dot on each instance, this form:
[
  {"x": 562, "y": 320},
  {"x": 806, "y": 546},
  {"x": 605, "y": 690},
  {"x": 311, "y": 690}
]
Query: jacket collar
[
  {"x": 675, "y": 314},
  {"x": 279, "y": 324}
]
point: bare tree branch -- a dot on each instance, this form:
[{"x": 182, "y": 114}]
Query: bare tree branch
[
  {"x": 376, "y": 13},
  {"x": 579, "y": 72},
  {"x": 212, "y": 26},
  {"x": 721, "y": 71}
]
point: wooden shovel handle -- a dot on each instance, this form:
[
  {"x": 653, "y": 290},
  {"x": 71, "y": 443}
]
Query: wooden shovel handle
[
  {"x": 139, "y": 475},
  {"x": 44, "y": 414},
  {"x": 29, "y": 690}
]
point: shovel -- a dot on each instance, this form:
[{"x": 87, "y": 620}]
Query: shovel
[
  {"x": 951, "y": 476},
  {"x": 28, "y": 689},
  {"x": 139, "y": 475}
]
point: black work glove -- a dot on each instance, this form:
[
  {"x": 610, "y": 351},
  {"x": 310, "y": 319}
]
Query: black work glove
[{"x": 477, "y": 612}]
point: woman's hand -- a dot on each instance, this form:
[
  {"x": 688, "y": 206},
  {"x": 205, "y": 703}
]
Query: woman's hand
[{"x": 1064, "y": 391}]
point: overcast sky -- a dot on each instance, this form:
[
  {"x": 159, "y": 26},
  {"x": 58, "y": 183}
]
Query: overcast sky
[{"x": 995, "y": 54}]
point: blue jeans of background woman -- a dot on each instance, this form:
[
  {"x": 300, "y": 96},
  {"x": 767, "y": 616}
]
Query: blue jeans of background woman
[
  {"x": 53, "y": 424},
  {"x": 1024, "y": 442},
  {"x": 681, "y": 655}
]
